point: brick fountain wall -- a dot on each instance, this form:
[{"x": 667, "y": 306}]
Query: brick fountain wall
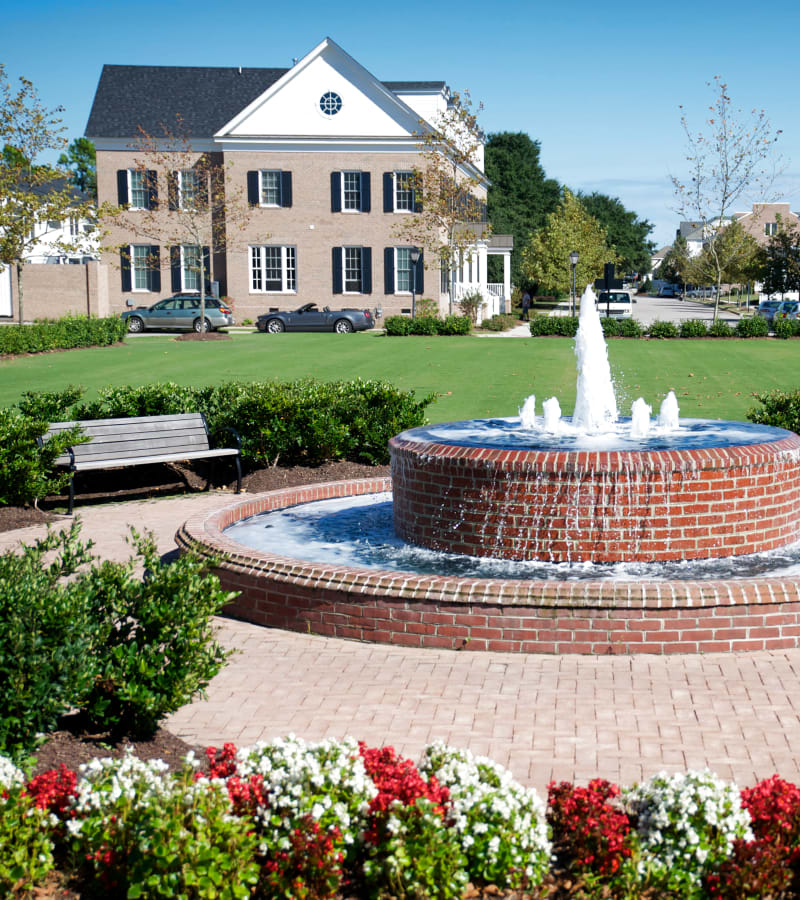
[
  {"x": 473, "y": 614},
  {"x": 598, "y": 506}
]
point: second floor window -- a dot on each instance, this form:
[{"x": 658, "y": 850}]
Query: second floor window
[
  {"x": 351, "y": 190},
  {"x": 770, "y": 228},
  {"x": 271, "y": 188},
  {"x": 188, "y": 188},
  {"x": 139, "y": 193},
  {"x": 403, "y": 192}
]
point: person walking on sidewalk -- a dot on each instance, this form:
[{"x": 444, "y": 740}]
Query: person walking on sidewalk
[{"x": 526, "y": 306}]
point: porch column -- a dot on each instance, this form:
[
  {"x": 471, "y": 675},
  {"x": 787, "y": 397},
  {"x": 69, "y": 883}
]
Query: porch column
[{"x": 507, "y": 282}]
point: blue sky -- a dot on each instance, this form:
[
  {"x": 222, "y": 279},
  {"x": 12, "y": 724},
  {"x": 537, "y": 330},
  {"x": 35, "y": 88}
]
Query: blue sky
[{"x": 599, "y": 85}]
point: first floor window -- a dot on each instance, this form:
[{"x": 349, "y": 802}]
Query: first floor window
[
  {"x": 273, "y": 269},
  {"x": 190, "y": 267},
  {"x": 353, "y": 271},
  {"x": 140, "y": 265},
  {"x": 402, "y": 269}
]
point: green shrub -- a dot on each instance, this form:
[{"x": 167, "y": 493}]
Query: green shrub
[
  {"x": 630, "y": 328},
  {"x": 661, "y": 330},
  {"x": 397, "y": 326},
  {"x": 720, "y": 328},
  {"x": 565, "y": 326},
  {"x": 778, "y": 408},
  {"x": 693, "y": 328},
  {"x": 610, "y": 326},
  {"x": 50, "y": 406},
  {"x": 424, "y": 325},
  {"x": 26, "y": 469},
  {"x": 155, "y": 646},
  {"x": 61, "y": 334},
  {"x": 471, "y": 304},
  {"x": 46, "y": 638},
  {"x": 455, "y": 325},
  {"x": 783, "y": 328},
  {"x": 499, "y": 322},
  {"x": 752, "y": 327}
]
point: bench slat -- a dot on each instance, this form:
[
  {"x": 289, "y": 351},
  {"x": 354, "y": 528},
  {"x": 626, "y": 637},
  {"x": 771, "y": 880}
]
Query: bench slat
[
  {"x": 90, "y": 465},
  {"x": 128, "y": 420}
]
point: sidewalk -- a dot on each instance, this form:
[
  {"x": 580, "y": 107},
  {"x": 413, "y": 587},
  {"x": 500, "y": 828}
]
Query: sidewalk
[{"x": 544, "y": 717}]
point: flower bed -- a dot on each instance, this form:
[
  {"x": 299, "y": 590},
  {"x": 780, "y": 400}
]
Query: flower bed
[{"x": 293, "y": 819}]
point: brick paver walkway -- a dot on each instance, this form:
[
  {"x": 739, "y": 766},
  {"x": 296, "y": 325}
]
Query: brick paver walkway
[{"x": 544, "y": 717}]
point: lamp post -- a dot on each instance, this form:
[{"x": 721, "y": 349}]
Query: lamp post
[
  {"x": 414, "y": 257},
  {"x": 573, "y": 259}
]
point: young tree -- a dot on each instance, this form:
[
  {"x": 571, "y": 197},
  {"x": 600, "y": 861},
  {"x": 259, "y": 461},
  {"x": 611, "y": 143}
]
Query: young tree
[
  {"x": 521, "y": 197},
  {"x": 545, "y": 260},
  {"x": 734, "y": 157},
  {"x": 625, "y": 231},
  {"x": 448, "y": 215},
  {"x": 81, "y": 160},
  {"x": 201, "y": 217},
  {"x": 675, "y": 265},
  {"x": 728, "y": 258},
  {"x": 32, "y": 195}
]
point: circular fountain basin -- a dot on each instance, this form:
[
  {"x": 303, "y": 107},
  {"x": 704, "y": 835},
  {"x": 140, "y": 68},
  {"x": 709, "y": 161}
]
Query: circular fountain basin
[
  {"x": 490, "y": 488},
  {"x": 466, "y": 613}
]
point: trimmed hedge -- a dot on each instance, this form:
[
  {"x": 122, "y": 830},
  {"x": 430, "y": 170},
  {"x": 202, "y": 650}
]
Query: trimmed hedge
[
  {"x": 301, "y": 422},
  {"x": 567, "y": 326},
  {"x": 61, "y": 334},
  {"x": 563, "y": 326},
  {"x": 400, "y": 326},
  {"x": 755, "y": 326}
]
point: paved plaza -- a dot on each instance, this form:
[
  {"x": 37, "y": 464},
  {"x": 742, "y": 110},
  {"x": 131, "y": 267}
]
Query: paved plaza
[{"x": 544, "y": 717}]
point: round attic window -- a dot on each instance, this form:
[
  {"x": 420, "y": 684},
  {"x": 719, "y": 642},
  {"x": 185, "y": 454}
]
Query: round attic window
[{"x": 330, "y": 103}]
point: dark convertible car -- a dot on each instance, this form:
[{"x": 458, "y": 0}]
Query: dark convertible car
[{"x": 309, "y": 318}]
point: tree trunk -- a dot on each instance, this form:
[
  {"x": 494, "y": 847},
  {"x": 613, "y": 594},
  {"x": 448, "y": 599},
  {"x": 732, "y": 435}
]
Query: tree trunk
[
  {"x": 202, "y": 295},
  {"x": 19, "y": 290}
]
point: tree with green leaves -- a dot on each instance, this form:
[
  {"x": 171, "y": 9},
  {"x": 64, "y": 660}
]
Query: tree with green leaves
[
  {"x": 625, "y": 231},
  {"x": 521, "y": 197},
  {"x": 448, "y": 215},
  {"x": 545, "y": 259},
  {"x": 735, "y": 157},
  {"x": 675, "y": 265},
  {"x": 728, "y": 258},
  {"x": 780, "y": 260},
  {"x": 32, "y": 195},
  {"x": 81, "y": 160}
]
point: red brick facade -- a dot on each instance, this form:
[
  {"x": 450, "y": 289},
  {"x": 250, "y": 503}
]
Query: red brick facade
[
  {"x": 472, "y": 614},
  {"x": 603, "y": 507}
]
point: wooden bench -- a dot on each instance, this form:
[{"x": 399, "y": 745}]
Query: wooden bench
[{"x": 139, "y": 441}]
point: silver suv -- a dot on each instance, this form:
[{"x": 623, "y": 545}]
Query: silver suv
[{"x": 182, "y": 312}]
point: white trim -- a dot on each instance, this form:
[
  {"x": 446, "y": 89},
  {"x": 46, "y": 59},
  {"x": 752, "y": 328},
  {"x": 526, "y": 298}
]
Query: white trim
[{"x": 206, "y": 145}]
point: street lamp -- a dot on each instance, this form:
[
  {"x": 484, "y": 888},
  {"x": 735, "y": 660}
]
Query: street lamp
[
  {"x": 414, "y": 255},
  {"x": 573, "y": 259}
]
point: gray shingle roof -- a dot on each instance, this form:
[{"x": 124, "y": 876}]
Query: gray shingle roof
[{"x": 205, "y": 98}]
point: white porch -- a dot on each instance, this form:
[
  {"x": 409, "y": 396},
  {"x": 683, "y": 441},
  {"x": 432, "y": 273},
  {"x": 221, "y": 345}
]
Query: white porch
[{"x": 472, "y": 272}]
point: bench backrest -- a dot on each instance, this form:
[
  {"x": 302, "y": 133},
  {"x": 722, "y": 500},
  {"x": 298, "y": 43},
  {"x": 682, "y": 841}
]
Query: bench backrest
[{"x": 136, "y": 437}]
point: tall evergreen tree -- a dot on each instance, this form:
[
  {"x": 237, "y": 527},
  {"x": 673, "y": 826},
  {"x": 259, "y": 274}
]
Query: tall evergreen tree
[
  {"x": 626, "y": 232},
  {"x": 521, "y": 197}
]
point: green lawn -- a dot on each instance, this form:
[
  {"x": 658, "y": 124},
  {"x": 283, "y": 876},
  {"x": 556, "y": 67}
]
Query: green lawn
[{"x": 474, "y": 377}]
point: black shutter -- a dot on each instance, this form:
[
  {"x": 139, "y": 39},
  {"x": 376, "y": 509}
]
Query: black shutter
[
  {"x": 336, "y": 268},
  {"x": 152, "y": 188},
  {"x": 419, "y": 283},
  {"x": 122, "y": 192},
  {"x": 366, "y": 270},
  {"x": 175, "y": 267},
  {"x": 366, "y": 193},
  {"x": 388, "y": 270},
  {"x": 125, "y": 268},
  {"x": 286, "y": 189},
  {"x": 207, "y": 268},
  {"x": 253, "y": 189},
  {"x": 155, "y": 268},
  {"x": 336, "y": 191},
  {"x": 388, "y": 192},
  {"x": 172, "y": 190}
]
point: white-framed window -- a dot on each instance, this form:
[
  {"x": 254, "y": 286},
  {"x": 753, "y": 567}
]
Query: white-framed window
[
  {"x": 188, "y": 188},
  {"x": 190, "y": 267},
  {"x": 270, "y": 187},
  {"x": 770, "y": 228},
  {"x": 351, "y": 191},
  {"x": 138, "y": 192},
  {"x": 273, "y": 269},
  {"x": 140, "y": 267},
  {"x": 403, "y": 192},
  {"x": 403, "y": 270},
  {"x": 74, "y": 226},
  {"x": 353, "y": 270}
]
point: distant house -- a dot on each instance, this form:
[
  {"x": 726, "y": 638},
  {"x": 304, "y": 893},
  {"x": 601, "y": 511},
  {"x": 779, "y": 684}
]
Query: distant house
[
  {"x": 323, "y": 152},
  {"x": 762, "y": 220}
]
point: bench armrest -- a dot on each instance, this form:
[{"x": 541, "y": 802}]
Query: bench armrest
[{"x": 234, "y": 432}]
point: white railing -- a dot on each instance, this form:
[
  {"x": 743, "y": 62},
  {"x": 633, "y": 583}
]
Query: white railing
[{"x": 497, "y": 290}]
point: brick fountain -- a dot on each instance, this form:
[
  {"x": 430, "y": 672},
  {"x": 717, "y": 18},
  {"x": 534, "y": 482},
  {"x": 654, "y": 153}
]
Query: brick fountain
[{"x": 595, "y": 488}]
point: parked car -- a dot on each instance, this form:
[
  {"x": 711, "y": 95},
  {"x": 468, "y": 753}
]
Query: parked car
[
  {"x": 670, "y": 290},
  {"x": 772, "y": 310},
  {"x": 181, "y": 311},
  {"x": 700, "y": 293},
  {"x": 309, "y": 318},
  {"x": 616, "y": 304}
]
